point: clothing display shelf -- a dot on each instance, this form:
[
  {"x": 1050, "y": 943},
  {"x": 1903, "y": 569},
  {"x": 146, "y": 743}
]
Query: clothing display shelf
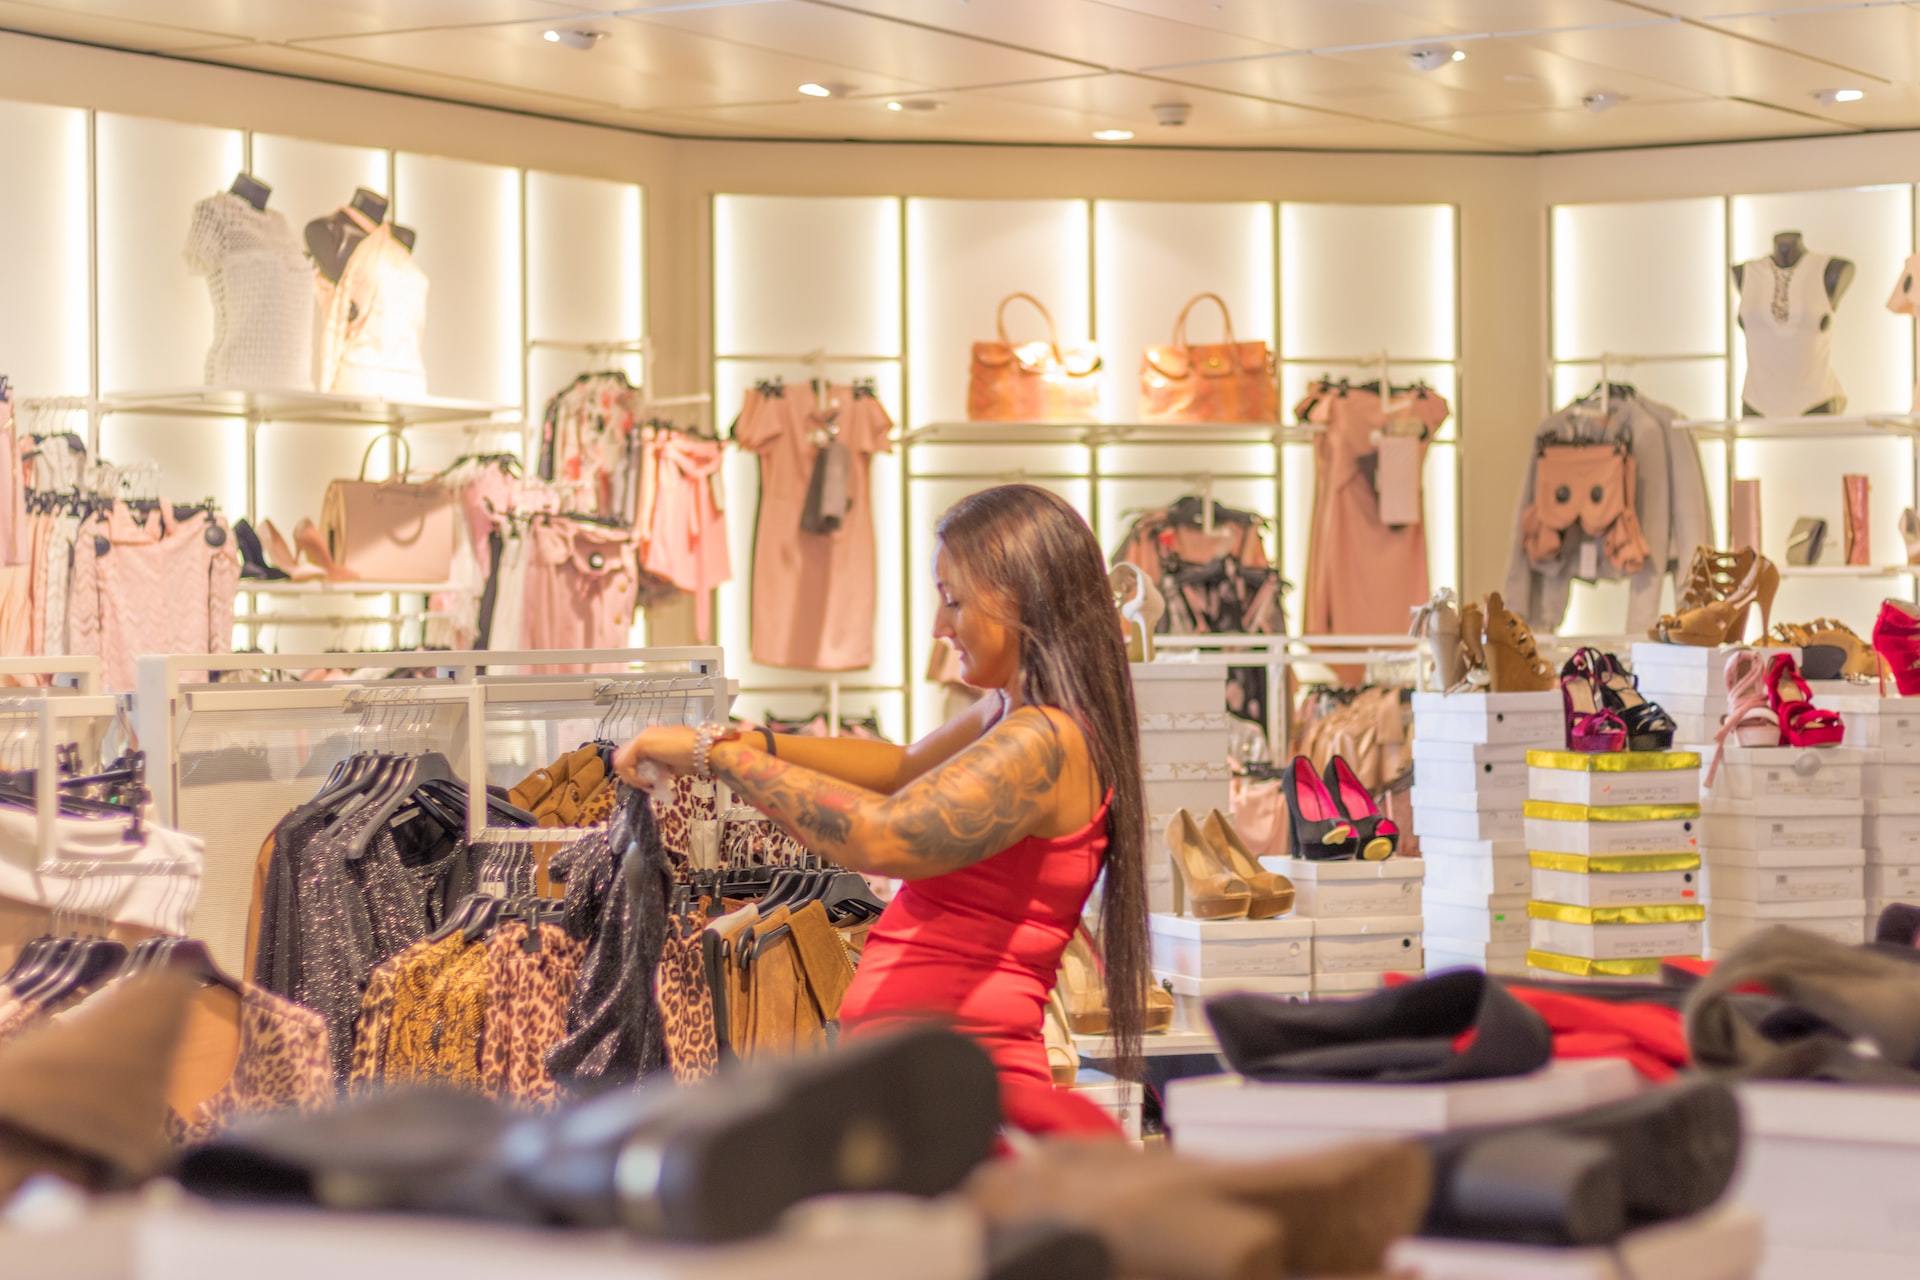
[
  {"x": 833, "y": 690},
  {"x": 655, "y": 685},
  {"x": 46, "y": 711},
  {"x": 1394, "y": 659}
]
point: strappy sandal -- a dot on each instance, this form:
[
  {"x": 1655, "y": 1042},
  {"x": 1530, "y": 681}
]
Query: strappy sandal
[
  {"x": 1750, "y": 719},
  {"x": 1514, "y": 662},
  {"x": 1801, "y": 723},
  {"x": 1649, "y": 728}
]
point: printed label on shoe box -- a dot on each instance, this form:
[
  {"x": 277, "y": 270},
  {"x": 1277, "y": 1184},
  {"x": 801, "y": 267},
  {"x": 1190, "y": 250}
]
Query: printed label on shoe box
[
  {"x": 1451, "y": 878},
  {"x": 1533, "y": 719},
  {"x": 1678, "y": 785},
  {"x": 1429, "y": 820},
  {"x": 1843, "y": 828},
  {"x": 1366, "y": 943},
  {"x": 1485, "y": 784},
  {"x": 1615, "y": 890},
  {"x": 1727, "y": 883},
  {"x": 1898, "y": 881},
  {"x": 1609, "y": 941},
  {"x": 1808, "y": 773},
  {"x": 1276, "y": 948},
  {"x": 1725, "y": 930},
  {"x": 1673, "y": 835}
]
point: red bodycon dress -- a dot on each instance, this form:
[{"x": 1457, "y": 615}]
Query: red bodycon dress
[{"x": 977, "y": 949}]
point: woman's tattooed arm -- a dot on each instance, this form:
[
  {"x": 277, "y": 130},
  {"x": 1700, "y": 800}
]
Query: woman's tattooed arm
[{"x": 988, "y": 796}]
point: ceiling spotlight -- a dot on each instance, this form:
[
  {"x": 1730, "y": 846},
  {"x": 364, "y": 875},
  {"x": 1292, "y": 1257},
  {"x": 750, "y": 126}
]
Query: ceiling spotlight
[
  {"x": 581, "y": 41},
  {"x": 1113, "y": 135},
  {"x": 1602, "y": 100},
  {"x": 1171, "y": 115},
  {"x": 1833, "y": 97},
  {"x": 813, "y": 90},
  {"x": 1432, "y": 57},
  {"x": 914, "y": 104}
]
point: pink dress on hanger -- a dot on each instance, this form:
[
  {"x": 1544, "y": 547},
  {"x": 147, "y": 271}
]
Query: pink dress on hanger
[
  {"x": 1363, "y": 575},
  {"x": 151, "y": 584},
  {"x": 813, "y": 593},
  {"x": 686, "y": 534}
]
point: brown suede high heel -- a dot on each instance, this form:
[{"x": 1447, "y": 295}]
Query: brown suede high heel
[
  {"x": 1082, "y": 990},
  {"x": 1713, "y": 613},
  {"x": 1513, "y": 662},
  {"x": 1203, "y": 886},
  {"x": 1272, "y": 892}
]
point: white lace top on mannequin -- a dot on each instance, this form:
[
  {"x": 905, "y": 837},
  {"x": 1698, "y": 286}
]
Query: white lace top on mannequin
[
  {"x": 262, "y": 294},
  {"x": 1787, "y": 316},
  {"x": 371, "y": 320}
]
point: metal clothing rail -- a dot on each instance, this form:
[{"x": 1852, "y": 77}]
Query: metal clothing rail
[{"x": 48, "y": 709}]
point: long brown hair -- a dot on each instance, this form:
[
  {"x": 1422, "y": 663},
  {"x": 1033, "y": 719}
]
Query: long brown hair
[{"x": 1029, "y": 556}]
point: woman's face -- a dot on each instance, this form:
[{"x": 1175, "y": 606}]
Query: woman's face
[{"x": 989, "y": 651}]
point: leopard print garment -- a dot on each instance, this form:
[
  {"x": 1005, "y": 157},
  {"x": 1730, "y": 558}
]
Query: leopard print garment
[
  {"x": 693, "y": 801},
  {"x": 686, "y": 1002},
  {"x": 284, "y": 1064},
  {"x": 369, "y": 1068},
  {"x": 758, "y": 841},
  {"x": 414, "y": 1024},
  {"x": 526, "y": 1011}
]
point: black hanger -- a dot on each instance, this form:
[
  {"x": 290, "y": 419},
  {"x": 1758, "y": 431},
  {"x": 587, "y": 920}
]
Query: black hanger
[
  {"x": 186, "y": 955},
  {"x": 395, "y": 784}
]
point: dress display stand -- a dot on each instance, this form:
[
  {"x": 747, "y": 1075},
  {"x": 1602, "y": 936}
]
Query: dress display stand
[{"x": 1469, "y": 785}]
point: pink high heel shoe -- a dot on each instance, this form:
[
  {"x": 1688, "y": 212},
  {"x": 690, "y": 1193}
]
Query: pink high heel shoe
[{"x": 1750, "y": 719}]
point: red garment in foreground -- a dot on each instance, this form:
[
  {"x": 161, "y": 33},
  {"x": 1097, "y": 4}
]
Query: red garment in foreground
[
  {"x": 977, "y": 949},
  {"x": 1649, "y": 1036}
]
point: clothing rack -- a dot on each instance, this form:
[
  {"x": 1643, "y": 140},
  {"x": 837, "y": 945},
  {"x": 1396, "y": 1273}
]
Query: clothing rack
[{"x": 47, "y": 709}]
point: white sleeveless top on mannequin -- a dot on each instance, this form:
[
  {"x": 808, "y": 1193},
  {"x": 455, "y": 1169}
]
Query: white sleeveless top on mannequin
[
  {"x": 262, "y": 291},
  {"x": 1789, "y": 352}
]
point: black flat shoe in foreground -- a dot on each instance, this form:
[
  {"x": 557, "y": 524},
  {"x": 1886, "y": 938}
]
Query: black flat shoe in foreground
[{"x": 1588, "y": 1177}]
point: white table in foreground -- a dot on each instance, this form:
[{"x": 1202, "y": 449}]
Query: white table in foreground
[
  {"x": 1722, "y": 1244},
  {"x": 162, "y": 1237},
  {"x": 1165, "y": 1044}
]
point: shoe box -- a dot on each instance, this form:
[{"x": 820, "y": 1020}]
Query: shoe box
[
  {"x": 1681, "y": 671},
  {"x": 1584, "y": 829},
  {"x": 1367, "y": 944},
  {"x": 1498, "y": 918},
  {"x": 1554, "y": 966},
  {"x": 1464, "y": 869},
  {"x": 1786, "y": 875},
  {"x": 1614, "y": 778},
  {"x": 1338, "y": 986},
  {"x": 1121, "y": 1099},
  {"x": 1508, "y": 959},
  {"x": 1190, "y": 995},
  {"x": 1616, "y": 882},
  {"x": 1730, "y": 921},
  {"x": 1233, "y": 1118},
  {"x": 1801, "y": 826},
  {"x": 1891, "y": 830},
  {"x": 1524, "y": 719},
  {"x": 1494, "y": 774},
  {"x": 1830, "y": 1172},
  {"x": 1891, "y": 882},
  {"x": 1725, "y": 1243},
  {"x": 1334, "y": 888},
  {"x": 1889, "y": 723},
  {"x": 1437, "y": 817},
  {"x": 1790, "y": 773},
  {"x": 1211, "y": 949},
  {"x": 1618, "y": 933}
]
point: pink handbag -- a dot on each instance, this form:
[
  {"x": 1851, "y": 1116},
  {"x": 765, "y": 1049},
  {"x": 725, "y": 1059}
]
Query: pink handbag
[
  {"x": 1231, "y": 381},
  {"x": 395, "y": 530}
]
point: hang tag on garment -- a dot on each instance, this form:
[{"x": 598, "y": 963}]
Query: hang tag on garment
[
  {"x": 703, "y": 843},
  {"x": 1589, "y": 567}
]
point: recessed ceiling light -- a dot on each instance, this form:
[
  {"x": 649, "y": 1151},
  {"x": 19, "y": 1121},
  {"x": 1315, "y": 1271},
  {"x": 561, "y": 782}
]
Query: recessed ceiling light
[
  {"x": 896, "y": 105},
  {"x": 1602, "y": 100},
  {"x": 1113, "y": 135},
  {"x": 1432, "y": 57},
  {"x": 581, "y": 41},
  {"x": 813, "y": 90},
  {"x": 914, "y": 104},
  {"x": 1833, "y": 97}
]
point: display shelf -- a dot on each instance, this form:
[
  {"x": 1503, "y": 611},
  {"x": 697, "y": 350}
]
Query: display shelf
[
  {"x": 1163, "y": 1044},
  {"x": 321, "y": 408},
  {"x": 1849, "y": 570},
  {"x": 1105, "y": 433},
  {"x": 1815, "y": 427},
  {"x": 342, "y": 587}
]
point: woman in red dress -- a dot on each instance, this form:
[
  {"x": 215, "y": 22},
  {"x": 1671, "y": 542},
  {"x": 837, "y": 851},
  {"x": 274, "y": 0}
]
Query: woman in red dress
[{"x": 999, "y": 821}]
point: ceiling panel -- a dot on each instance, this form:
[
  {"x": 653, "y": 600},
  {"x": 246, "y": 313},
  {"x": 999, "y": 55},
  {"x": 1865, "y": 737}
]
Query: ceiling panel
[
  {"x": 1634, "y": 124},
  {"x": 122, "y": 32},
  {"x": 843, "y": 40},
  {"x": 1519, "y": 76},
  {"x": 1090, "y": 30},
  {"x": 1697, "y": 58},
  {"x": 1125, "y": 101},
  {"x": 1515, "y": 15},
  {"x": 1883, "y": 42},
  {"x": 1293, "y": 24},
  {"x": 1715, "y": 8},
  {"x": 237, "y": 20}
]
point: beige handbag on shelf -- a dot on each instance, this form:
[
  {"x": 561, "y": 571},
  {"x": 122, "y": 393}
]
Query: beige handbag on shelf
[
  {"x": 1215, "y": 382},
  {"x": 397, "y": 530},
  {"x": 1032, "y": 381}
]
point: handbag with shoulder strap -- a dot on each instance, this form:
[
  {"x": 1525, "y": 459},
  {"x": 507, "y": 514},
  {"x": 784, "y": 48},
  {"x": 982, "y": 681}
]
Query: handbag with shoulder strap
[
  {"x": 1227, "y": 381},
  {"x": 396, "y": 530},
  {"x": 1032, "y": 381}
]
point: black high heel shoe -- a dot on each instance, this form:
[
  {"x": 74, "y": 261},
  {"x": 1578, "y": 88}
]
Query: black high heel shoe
[
  {"x": 1648, "y": 727},
  {"x": 1375, "y": 836},
  {"x": 1320, "y": 831},
  {"x": 253, "y": 560}
]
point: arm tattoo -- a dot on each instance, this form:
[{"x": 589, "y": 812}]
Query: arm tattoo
[{"x": 976, "y": 804}]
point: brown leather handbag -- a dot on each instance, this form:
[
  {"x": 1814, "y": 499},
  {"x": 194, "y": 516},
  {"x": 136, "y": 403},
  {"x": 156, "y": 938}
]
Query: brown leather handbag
[
  {"x": 1033, "y": 381},
  {"x": 1216, "y": 382}
]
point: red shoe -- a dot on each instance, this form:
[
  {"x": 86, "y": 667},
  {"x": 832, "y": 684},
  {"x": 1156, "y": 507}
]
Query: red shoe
[
  {"x": 1896, "y": 638},
  {"x": 1377, "y": 836},
  {"x": 1801, "y": 723},
  {"x": 1589, "y": 727}
]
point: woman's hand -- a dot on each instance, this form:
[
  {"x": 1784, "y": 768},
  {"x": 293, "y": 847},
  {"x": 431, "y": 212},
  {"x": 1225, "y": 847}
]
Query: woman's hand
[{"x": 661, "y": 751}]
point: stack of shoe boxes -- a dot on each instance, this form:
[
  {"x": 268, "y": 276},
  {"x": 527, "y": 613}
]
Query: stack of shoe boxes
[
  {"x": 1615, "y": 859},
  {"x": 1888, "y": 730},
  {"x": 1365, "y": 918},
  {"x": 1469, "y": 787},
  {"x": 1183, "y": 751}
]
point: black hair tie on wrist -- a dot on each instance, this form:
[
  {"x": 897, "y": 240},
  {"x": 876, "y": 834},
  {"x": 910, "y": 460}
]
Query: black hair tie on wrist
[{"x": 768, "y": 735}]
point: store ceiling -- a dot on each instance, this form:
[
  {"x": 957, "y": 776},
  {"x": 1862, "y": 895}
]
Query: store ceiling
[{"x": 1329, "y": 74}]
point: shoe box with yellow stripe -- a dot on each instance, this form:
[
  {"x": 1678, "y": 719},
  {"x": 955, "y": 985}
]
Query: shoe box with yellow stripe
[{"x": 1613, "y": 844}]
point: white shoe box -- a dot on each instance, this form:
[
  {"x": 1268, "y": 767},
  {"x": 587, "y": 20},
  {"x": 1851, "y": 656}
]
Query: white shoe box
[
  {"x": 1721, "y": 1244},
  {"x": 1835, "y": 825},
  {"x": 1277, "y": 948},
  {"x": 1121, "y": 1099},
  {"x": 1233, "y": 1118},
  {"x": 1892, "y": 882},
  {"x": 1891, "y": 723},
  {"x": 1732, "y": 921},
  {"x": 1500, "y": 958},
  {"x": 1618, "y": 941},
  {"x": 1615, "y": 888},
  {"x": 1550, "y": 778},
  {"x": 1464, "y": 869},
  {"x": 1336, "y": 986},
  {"x": 1892, "y": 830},
  {"x": 1695, "y": 732},
  {"x": 1495, "y": 920},
  {"x": 1893, "y": 773},
  {"x": 1670, "y": 835},
  {"x": 1173, "y": 738},
  {"x": 1190, "y": 995},
  {"x": 1366, "y": 944},
  {"x": 1435, "y": 795},
  {"x": 1432, "y": 820},
  {"x": 1830, "y": 1170},
  {"x": 1159, "y": 885},
  {"x": 1687, "y": 669},
  {"x": 1350, "y": 887},
  {"x": 1780, "y": 773},
  {"x": 1531, "y": 719},
  {"x": 1493, "y": 772},
  {"x": 1727, "y": 882}
]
